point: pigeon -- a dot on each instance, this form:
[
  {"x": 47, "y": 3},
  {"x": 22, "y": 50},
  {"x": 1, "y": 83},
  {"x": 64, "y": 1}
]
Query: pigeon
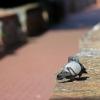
[{"x": 72, "y": 69}]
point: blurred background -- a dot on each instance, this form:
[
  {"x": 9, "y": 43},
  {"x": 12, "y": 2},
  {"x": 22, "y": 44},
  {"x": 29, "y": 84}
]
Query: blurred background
[{"x": 36, "y": 38}]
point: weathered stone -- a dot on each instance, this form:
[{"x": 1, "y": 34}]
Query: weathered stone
[
  {"x": 91, "y": 40},
  {"x": 88, "y": 52},
  {"x": 85, "y": 88}
]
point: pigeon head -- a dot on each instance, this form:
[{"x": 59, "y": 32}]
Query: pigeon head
[
  {"x": 63, "y": 74},
  {"x": 73, "y": 59}
]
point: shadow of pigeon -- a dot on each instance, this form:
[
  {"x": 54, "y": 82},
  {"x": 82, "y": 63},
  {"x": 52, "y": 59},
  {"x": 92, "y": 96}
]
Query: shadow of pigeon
[{"x": 76, "y": 79}]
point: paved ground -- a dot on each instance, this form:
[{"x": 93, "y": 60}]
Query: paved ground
[{"x": 29, "y": 73}]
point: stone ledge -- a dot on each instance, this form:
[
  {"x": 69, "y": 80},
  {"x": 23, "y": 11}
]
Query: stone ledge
[
  {"x": 86, "y": 88},
  {"x": 91, "y": 39},
  {"x": 86, "y": 98}
]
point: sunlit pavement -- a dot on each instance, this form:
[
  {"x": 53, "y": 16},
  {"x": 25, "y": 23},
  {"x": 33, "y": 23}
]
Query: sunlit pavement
[{"x": 30, "y": 72}]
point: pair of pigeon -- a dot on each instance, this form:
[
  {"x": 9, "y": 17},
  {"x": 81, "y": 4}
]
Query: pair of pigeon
[{"x": 72, "y": 69}]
